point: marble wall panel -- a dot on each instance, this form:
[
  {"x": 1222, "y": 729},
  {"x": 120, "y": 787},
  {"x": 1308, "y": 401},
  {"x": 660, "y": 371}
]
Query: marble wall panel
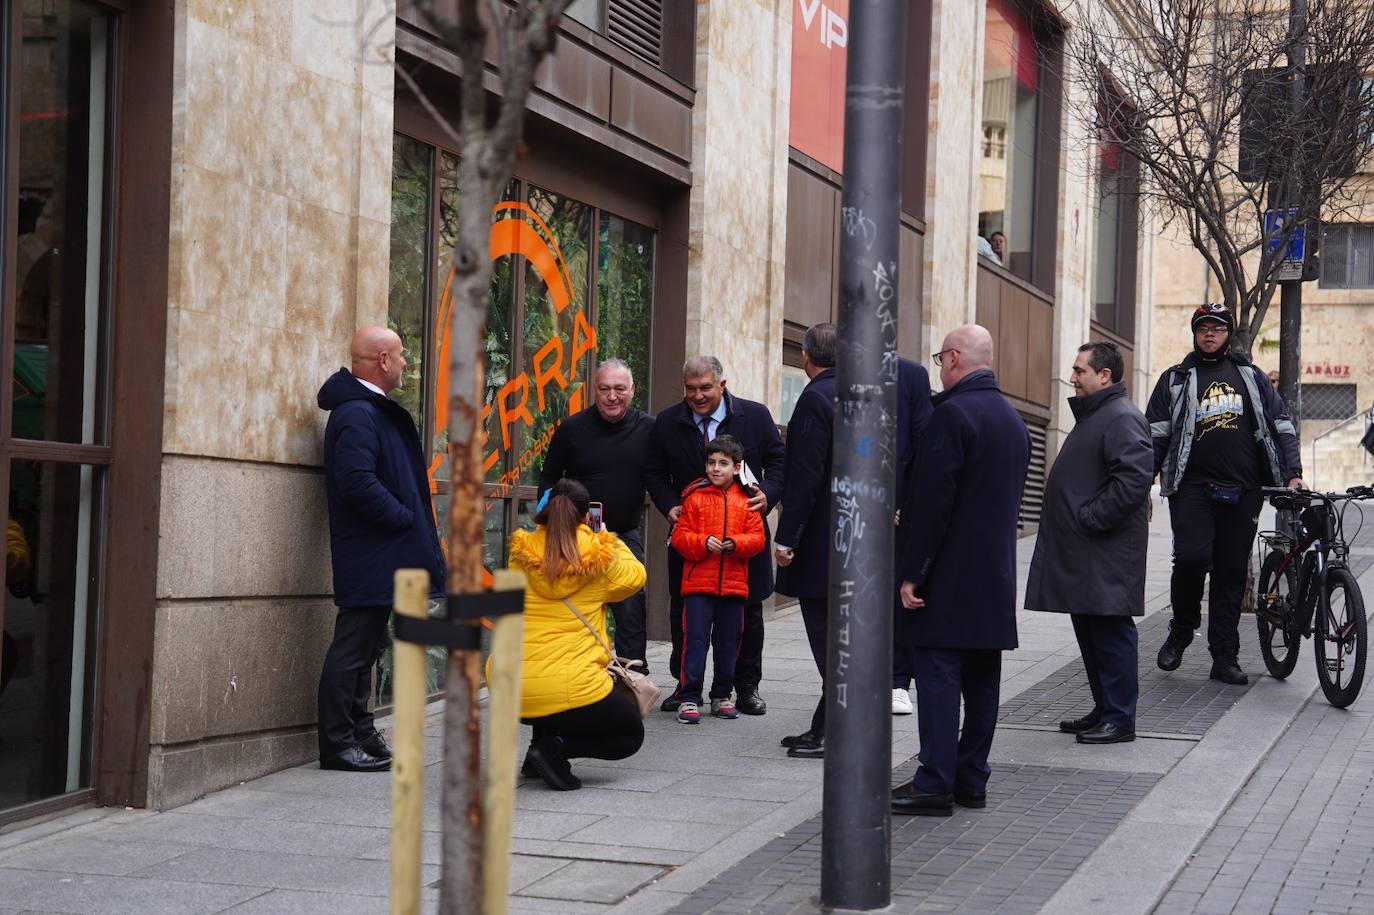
[{"x": 738, "y": 202}]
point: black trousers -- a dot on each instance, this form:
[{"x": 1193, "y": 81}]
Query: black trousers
[
  {"x": 813, "y": 611},
  {"x": 609, "y": 728},
  {"x": 749, "y": 664},
  {"x": 630, "y": 622},
  {"x": 953, "y": 759},
  {"x": 1110, "y": 653},
  {"x": 346, "y": 678},
  {"x": 1211, "y": 537}
]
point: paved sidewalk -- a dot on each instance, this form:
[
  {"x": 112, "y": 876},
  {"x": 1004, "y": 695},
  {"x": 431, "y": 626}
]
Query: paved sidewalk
[{"x": 716, "y": 818}]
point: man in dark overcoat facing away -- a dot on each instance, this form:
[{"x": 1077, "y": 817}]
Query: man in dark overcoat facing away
[
  {"x": 803, "y": 539},
  {"x": 1090, "y": 550},
  {"x": 381, "y": 519},
  {"x": 677, "y": 456},
  {"x": 958, "y": 572},
  {"x": 913, "y": 412}
]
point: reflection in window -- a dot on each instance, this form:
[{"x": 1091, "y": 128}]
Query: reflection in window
[
  {"x": 552, "y": 338},
  {"x": 1107, "y": 241},
  {"x": 1347, "y": 258},
  {"x": 410, "y": 171},
  {"x": 1010, "y": 115},
  {"x": 64, "y": 121},
  {"x": 49, "y": 615},
  {"x": 625, "y": 288},
  {"x": 587, "y": 12}
]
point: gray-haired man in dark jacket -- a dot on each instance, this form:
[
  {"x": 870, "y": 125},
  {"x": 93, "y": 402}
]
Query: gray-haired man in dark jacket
[{"x": 1089, "y": 557}]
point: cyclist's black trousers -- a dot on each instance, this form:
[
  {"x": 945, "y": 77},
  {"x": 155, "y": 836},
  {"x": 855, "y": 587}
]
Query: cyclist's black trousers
[{"x": 1211, "y": 537}]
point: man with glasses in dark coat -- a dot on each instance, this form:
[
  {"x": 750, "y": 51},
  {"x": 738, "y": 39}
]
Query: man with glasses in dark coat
[
  {"x": 958, "y": 573},
  {"x": 1090, "y": 550},
  {"x": 677, "y": 456}
]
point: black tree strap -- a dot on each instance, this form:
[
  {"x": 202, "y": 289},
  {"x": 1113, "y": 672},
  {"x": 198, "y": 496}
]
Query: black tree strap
[{"x": 461, "y": 629}]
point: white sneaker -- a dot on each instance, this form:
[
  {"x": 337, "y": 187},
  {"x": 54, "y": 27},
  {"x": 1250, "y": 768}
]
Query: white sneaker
[{"x": 901, "y": 702}]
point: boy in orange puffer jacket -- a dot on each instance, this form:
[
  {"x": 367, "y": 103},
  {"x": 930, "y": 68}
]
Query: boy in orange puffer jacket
[{"x": 716, "y": 534}]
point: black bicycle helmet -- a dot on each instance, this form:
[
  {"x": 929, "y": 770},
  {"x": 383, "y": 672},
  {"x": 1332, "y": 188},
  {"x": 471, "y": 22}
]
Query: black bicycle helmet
[{"x": 1213, "y": 311}]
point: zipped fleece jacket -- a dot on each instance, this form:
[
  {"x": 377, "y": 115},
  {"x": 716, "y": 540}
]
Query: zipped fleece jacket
[
  {"x": 1172, "y": 414},
  {"x": 564, "y": 665},
  {"x": 710, "y": 511}
]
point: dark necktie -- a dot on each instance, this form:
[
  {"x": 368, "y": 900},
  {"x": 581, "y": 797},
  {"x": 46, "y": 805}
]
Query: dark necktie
[{"x": 706, "y": 430}]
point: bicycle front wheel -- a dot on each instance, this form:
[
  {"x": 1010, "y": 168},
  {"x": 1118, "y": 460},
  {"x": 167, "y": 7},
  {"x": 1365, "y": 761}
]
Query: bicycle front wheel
[
  {"x": 1275, "y": 616},
  {"x": 1341, "y": 639}
]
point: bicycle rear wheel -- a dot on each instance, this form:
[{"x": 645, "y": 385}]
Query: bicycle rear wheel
[
  {"x": 1341, "y": 639},
  {"x": 1275, "y": 616}
]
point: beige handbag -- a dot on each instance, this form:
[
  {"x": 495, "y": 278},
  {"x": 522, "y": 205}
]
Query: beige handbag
[{"x": 637, "y": 687}]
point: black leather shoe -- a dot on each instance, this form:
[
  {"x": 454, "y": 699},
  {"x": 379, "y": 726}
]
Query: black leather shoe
[
  {"x": 907, "y": 800},
  {"x": 749, "y": 702},
  {"x": 376, "y": 746},
  {"x": 354, "y": 759},
  {"x": 1106, "y": 732},
  {"x": 796, "y": 739},
  {"x": 1079, "y": 725},
  {"x": 1171, "y": 652},
  {"x": 672, "y": 702},
  {"x": 549, "y": 762},
  {"x": 970, "y": 800},
  {"x": 1228, "y": 671},
  {"x": 811, "y": 748}
]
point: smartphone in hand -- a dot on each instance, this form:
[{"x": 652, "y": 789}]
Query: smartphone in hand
[{"x": 594, "y": 516}]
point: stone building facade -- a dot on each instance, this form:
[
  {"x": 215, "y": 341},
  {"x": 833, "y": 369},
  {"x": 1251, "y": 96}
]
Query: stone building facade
[{"x": 267, "y": 184}]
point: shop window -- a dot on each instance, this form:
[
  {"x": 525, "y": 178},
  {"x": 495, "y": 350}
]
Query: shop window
[
  {"x": 59, "y": 63},
  {"x": 571, "y": 285},
  {"x": 1011, "y": 112},
  {"x": 1347, "y": 257},
  {"x": 1328, "y": 401},
  {"x": 1115, "y": 240}
]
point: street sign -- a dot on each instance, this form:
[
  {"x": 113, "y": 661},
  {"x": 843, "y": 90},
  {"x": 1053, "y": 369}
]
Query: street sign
[{"x": 1290, "y": 267}]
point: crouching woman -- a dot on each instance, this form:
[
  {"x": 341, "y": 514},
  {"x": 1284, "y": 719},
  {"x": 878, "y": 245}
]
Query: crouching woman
[{"x": 565, "y": 689}]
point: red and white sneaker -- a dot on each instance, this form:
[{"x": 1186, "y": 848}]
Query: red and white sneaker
[
  {"x": 688, "y": 713},
  {"x": 724, "y": 708}
]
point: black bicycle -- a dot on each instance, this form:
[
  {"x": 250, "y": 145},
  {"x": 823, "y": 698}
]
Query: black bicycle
[{"x": 1306, "y": 569}]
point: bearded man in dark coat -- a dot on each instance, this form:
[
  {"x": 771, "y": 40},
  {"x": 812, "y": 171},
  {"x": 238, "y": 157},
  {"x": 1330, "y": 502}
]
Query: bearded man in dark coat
[{"x": 1089, "y": 557}]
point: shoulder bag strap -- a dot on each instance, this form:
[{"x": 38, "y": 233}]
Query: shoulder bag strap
[{"x": 615, "y": 662}]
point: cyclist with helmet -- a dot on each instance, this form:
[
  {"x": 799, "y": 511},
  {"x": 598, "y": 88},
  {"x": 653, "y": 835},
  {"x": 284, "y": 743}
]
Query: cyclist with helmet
[{"x": 1219, "y": 431}]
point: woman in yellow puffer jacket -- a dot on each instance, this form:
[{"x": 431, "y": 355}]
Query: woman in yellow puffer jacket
[{"x": 565, "y": 689}]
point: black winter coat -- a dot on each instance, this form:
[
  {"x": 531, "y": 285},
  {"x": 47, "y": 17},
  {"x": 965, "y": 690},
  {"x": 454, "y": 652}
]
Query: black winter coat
[
  {"x": 806, "y": 493},
  {"x": 913, "y": 412},
  {"x": 1090, "y": 550},
  {"x": 958, "y": 533},
  {"x": 677, "y": 456},
  {"x": 381, "y": 517}
]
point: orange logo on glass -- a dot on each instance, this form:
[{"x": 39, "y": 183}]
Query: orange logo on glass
[{"x": 517, "y": 229}]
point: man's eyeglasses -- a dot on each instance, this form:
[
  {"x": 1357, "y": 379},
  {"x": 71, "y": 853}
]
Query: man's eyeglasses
[{"x": 940, "y": 356}]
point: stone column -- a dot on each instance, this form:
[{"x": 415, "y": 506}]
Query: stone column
[
  {"x": 281, "y": 176},
  {"x": 948, "y": 267},
  {"x": 738, "y": 232}
]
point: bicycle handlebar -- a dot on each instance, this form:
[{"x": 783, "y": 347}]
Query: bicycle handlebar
[{"x": 1307, "y": 495}]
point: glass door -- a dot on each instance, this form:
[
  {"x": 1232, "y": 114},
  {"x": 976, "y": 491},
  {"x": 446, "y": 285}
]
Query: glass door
[{"x": 54, "y": 442}]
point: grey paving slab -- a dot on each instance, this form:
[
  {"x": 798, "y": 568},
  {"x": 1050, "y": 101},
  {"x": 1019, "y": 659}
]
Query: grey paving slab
[
  {"x": 299, "y": 902},
  {"x": 75, "y": 856},
  {"x": 278, "y": 870},
  {"x": 45, "y": 891},
  {"x": 592, "y": 881},
  {"x": 194, "y": 829},
  {"x": 678, "y": 836}
]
